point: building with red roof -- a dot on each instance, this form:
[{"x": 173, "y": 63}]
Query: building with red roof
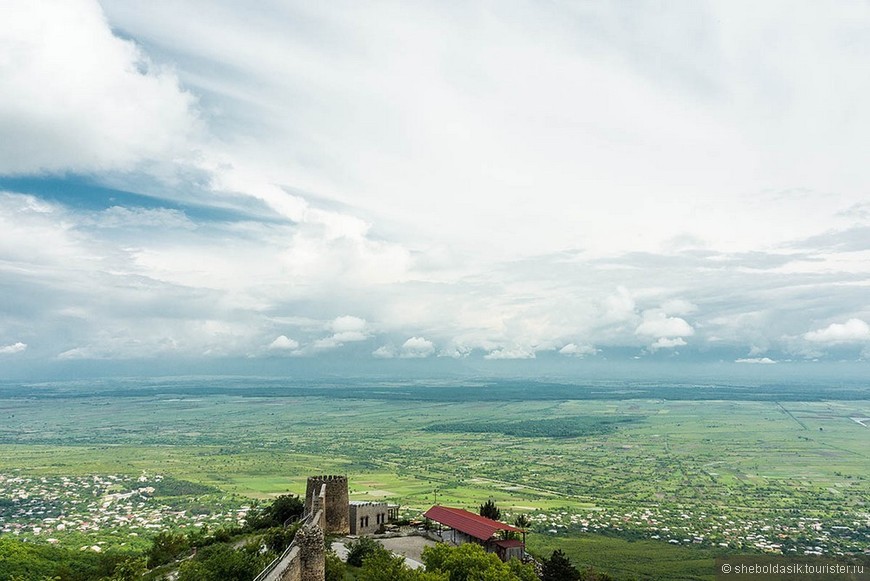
[{"x": 468, "y": 527}]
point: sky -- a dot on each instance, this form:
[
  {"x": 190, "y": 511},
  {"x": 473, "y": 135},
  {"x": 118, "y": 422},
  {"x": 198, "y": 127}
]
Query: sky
[{"x": 428, "y": 184}]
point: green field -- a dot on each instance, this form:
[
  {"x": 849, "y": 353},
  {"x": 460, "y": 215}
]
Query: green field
[
  {"x": 692, "y": 477},
  {"x": 631, "y": 559}
]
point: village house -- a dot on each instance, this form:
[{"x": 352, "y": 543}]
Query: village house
[{"x": 467, "y": 527}]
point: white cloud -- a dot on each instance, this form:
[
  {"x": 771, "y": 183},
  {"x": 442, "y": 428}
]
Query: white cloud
[
  {"x": 384, "y": 352},
  {"x": 78, "y": 353},
  {"x": 757, "y": 350},
  {"x": 350, "y": 337},
  {"x": 164, "y": 218},
  {"x": 283, "y": 343},
  {"x": 578, "y": 350},
  {"x": 348, "y": 324},
  {"x": 852, "y": 331},
  {"x": 327, "y": 343},
  {"x": 346, "y": 329},
  {"x": 756, "y": 360},
  {"x": 13, "y": 348},
  {"x": 678, "y": 307},
  {"x": 619, "y": 306},
  {"x": 657, "y": 324},
  {"x": 511, "y": 353},
  {"x": 83, "y": 100},
  {"x": 665, "y": 343},
  {"x": 417, "y": 348},
  {"x": 456, "y": 352},
  {"x": 413, "y": 348}
]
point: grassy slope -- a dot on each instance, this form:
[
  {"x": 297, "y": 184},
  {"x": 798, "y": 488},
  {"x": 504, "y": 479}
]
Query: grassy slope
[{"x": 630, "y": 559}]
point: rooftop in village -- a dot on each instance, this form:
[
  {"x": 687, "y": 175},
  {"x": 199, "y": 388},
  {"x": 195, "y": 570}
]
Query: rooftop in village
[{"x": 469, "y": 523}]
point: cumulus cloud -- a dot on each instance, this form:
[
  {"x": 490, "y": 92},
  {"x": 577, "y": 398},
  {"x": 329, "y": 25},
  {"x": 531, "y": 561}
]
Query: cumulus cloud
[
  {"x": 665, "y": 343},
  {"x": 13, "y": 348},
  {"x": 619, "y": 306},
  {"x": 456, "y": 351},
  {"x": 283, "y": 343},
  {"x": 656, "y": 323},
  {"x": 852, "y": 331},
  {"x": 417, "y": 348},
  {"x": 348, "y": 324},
  {"x": 575, "y": 350},
  {"x": 756, "y": 360},
  {"x": 511, "y": 353},
  {"x": 83, "y": 100},
  {"x": 346, "y": 329},
  {"x": 413, "y": 348},
  {"x": 384, "y": 352}
]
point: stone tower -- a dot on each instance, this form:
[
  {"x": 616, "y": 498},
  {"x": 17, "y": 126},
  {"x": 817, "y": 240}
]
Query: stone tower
[{"x": 336, "y": 508}]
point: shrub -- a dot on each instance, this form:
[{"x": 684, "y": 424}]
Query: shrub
[
  {"x": 362, "y": 548},
  {"x": 471, "y": 562},
  {"x": 165, "y": 547}
]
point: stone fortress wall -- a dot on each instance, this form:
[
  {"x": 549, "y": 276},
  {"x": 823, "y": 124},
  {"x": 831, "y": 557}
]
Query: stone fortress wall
[{"x": 326, "y": 512}]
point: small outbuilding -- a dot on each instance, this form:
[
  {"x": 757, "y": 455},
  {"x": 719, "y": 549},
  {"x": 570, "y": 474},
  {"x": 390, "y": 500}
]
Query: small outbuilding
[{"x": 509, "y": 549}]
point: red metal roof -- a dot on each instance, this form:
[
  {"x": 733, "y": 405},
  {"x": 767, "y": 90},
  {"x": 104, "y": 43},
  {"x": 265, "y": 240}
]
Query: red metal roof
[
  {"x": 469, "y": 523},
  {"x": 509, "y": 543}
]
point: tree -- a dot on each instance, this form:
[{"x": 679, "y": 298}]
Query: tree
[
  {"x": 335, "y": 568},
  {"x": 383, "y": 566},
  {"x": 129, "y": 570},
  {"x": 361, "y": 549},
  {"x": 490, "y": 510},
  {"x": 165, "y": 547},
  {"x": 222, "y": 563},
  {"x": 470, "y": 562},
  {"x": 522, "y": 521},
  {"x": 284, "y": 508},
  {"x": 522, "y": 571},
  {"x": 559, "y": 568},
  {"x": 277, "y": 539}
]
